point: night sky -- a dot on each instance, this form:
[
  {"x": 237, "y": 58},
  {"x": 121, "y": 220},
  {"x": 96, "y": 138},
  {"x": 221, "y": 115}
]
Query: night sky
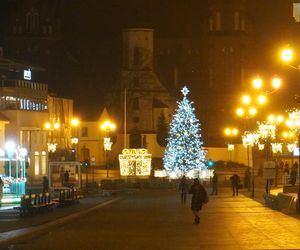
[
  {"x": 90, "y": 33},
  {"x": 91, "y": 38}
]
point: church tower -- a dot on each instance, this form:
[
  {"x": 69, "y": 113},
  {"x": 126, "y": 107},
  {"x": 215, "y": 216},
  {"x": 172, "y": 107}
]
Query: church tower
[{"x": 146, "y": 97}]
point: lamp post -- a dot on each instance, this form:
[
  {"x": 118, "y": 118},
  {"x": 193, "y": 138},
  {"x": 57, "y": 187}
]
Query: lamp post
[
  {"x": 75, "y": 138},
  {"x": 107, "y": 127},
  {"x": 249, "y": 139},
  {"x": 50, "y": 127}
]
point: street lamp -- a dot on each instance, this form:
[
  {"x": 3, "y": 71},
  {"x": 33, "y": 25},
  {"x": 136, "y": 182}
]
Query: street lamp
[
  {"x": 107, "y": 126},
  {"x": 257, "y": 84},
  {"x": 50, "y": 127},
  {"x": 294, "y": 124},
  {"x": 74, "y": 139},
  {"x": 230, "y": 132}
]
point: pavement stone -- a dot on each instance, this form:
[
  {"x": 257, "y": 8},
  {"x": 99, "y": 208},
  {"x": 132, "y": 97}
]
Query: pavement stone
[{"x": 155, "y": 219}]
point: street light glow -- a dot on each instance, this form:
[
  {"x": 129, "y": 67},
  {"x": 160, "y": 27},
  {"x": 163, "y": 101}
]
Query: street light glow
[
  {"x": 252, "y": 111},
  {"x": 47, "y": 125},
  {"x": 287, "y": 55},
  {"x": 257, "y": 83},
  {"x": 261, "y": 99},
  {"x": 240, "y": 111},
  {"x": 10, "y": 147},
  {"x": 74, "y": 122},
  {"x": 276, "y": 83},
  {"x": 246, "y": 99},
  {"x": 108, "y": 125},
  {"x": 56, "y": 125},
  {"x": 231, "y": 131}
]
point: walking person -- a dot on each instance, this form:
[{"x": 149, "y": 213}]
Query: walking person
[
  {"x": 1, "y": 189},
  {"x": 214, "y": 182},
  {"x": 235, "y": 180},
  {"x": 183, "y": 189},
  {"x": 293, "y": 176},
  {"x": 45, "y": 184},
  {"x": 199, "y": 197}
]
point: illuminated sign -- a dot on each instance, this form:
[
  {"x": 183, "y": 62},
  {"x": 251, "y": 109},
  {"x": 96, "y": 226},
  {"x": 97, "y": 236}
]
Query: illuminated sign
[{"x": 27, "y": 74}]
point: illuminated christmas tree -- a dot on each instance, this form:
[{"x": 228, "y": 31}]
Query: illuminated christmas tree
[{"x": 184, "y": 152}]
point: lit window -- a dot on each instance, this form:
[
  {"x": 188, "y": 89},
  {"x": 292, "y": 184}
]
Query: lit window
[
  {"x": 84, "y": 132},
  {"x": 236, "y": 20},
  {"x": 36, "y": 163},
  {"x": 44, "y": 163},
  {"x": 211, "y": 24},
  {"x": 296, "y": 12},
  {"x": 218, "y": 21}
]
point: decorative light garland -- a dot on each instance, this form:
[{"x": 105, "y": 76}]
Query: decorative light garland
[{"x": 135, "y": 162}]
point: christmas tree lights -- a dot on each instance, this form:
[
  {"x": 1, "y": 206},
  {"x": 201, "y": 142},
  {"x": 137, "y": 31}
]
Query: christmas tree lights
[{"x": 184, "y": 152}]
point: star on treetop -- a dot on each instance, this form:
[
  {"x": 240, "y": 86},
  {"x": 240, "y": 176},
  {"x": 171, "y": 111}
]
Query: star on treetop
[{"x": 185, "y": 91}]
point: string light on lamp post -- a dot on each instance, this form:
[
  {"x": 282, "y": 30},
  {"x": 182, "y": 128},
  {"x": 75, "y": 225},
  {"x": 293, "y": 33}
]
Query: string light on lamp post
[
  {"x": 51, "y": 127},
  {"x": 107, "y": 126},
  {"x": 249, "y": 139},
  {"x": 294, "y": 124}
]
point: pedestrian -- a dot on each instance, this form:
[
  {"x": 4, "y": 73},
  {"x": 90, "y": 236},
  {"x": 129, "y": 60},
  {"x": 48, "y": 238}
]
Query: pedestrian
[
  {"x": 45, "y": 184},
  {"x": 247, "y": 179},
  {"x": 1, "y": 189},
  {"x": 235, "y": 180},
  {"x": 214, "y": 182},
  {"x": 293, "y": 176},
  {"x": 199, "y": 197},
  {"x": 66, "y": 178},
  {"x": 183, "y": 189},
  {"x": 286, "y": 168},
  {"x": 62, "y": 176},
  {"x": 269, "y": 183}
]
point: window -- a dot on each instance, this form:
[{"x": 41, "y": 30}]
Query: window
[
  {"x": 36, "y": 163},
  {"x": 135, "y": 82},
  {"x": 84, "y": 132},
  {"x": 236, "y": 20},
  {"x": 211, "y": 24},
  {"x": 44, "y": 163},
  {"x": 32, "y": 21},
  {"x": 243, "y": 24},
  {"x": 218, "y": 21},
  {"x": 136, "y": 105},
  {"x": 296, "y": 12},
  {"x": 136, "y": 56}
]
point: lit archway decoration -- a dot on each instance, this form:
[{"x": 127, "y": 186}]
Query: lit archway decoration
[{"x": 135, "y": 162}]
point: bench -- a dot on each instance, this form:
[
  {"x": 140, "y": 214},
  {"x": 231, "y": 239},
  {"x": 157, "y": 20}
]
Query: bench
[
  {"x": 68, "y": 197},
  {"x": 271, "y": 200},
  {"x": 34, "y": 203}
]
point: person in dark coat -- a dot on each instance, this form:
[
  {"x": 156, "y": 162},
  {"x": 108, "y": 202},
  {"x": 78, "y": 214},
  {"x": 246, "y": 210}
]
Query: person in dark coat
[
  {"x": 45, "y": 184},
  {"x": 198, "y": 198},
  {"x": 235, "y": 180},
  {"x": 183, "y": 189},
  {"x": 293, "y": 176},
  {"x": 214, "y": 182}
]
